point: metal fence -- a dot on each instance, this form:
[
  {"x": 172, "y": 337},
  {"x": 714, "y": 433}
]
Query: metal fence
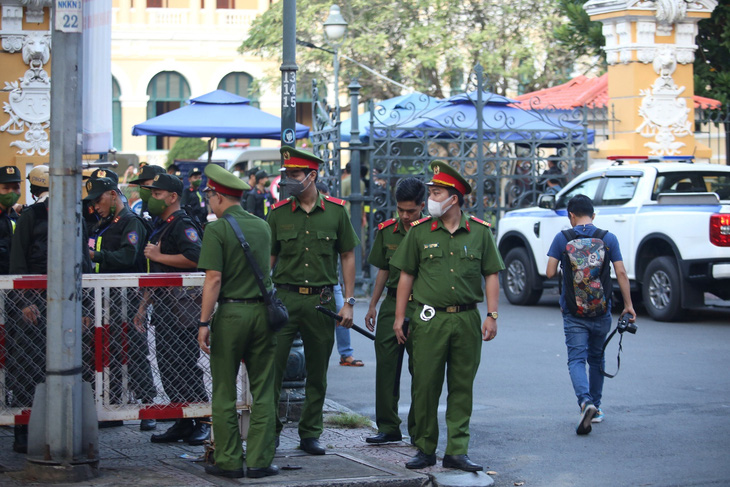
[
  {"x": 139, "y": 346},
  {"x": 711, "y": 129}
]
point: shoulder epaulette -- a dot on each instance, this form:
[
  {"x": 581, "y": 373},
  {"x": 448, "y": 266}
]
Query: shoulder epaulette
[
  {"x": 334, "y": 200},
  {"x": 413, "y": 224},
  {"x": 281, "y": 203},
  {"x": 387, "y": 223},
  {"x": 486, "y": 224}
]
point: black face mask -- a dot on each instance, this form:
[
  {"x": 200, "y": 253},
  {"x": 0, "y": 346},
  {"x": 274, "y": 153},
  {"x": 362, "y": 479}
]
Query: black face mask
[{"x": 295, "y": 187}]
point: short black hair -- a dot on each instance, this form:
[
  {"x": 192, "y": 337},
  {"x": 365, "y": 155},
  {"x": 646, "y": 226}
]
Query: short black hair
[
  {"x": 348, "y": 168},
  {"x": 460, "y": 197},
  {"x": 410, "y": 189},
  {"x": 580, "y": 205}
]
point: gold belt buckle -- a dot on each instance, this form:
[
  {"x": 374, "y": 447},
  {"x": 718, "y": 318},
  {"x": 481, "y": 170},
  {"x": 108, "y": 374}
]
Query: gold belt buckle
[
  {"x": 304, "y": 290},
  {"x": 452, "y": 309}
]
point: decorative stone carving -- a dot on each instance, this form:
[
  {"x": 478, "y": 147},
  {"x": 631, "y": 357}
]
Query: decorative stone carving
[
  {"x": 665, "y": 114},
  {"x": 34, "y": 9},
  {"x": 29, "y": 100}
]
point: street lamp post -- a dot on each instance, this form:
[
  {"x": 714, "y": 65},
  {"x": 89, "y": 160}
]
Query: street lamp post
[{"x": 335, "y": 28}]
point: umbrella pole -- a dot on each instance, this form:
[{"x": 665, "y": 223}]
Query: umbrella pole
[{"x": 210, "y": 149}]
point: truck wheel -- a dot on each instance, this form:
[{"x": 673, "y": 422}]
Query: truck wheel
[
  {"x": 519, "y": 278},
  {"x": 661, "y": 290}
]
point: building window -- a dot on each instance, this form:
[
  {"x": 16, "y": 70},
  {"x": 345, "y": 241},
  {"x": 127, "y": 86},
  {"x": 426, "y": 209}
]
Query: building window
[
  {"x": 156, "y": 3},
  {"x": 225, "y": 4},
  {"x": 116, "y": 115},
  {"x": 240, "y": 84},
  {"x": 167, "y": 91}
]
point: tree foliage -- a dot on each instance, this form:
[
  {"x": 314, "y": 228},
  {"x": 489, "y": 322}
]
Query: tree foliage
[
  {"x": 186, "y": 148},
  {"x": 712, "y": 59},
  {"x": 428, "y": 45},
  {"x": 578, "y": 33}
]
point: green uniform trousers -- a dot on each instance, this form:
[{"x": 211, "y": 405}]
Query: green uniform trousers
[
  {"x": 454, "y": 341},
  {"x": 318, "y": 336},
  {"x": 240, "y": 331},
  {"x": 386, "y": 356}
]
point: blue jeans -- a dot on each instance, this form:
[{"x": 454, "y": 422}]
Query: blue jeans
[
  {"x": 342, "y": 334},
  {"x": 584, "y": 338}
]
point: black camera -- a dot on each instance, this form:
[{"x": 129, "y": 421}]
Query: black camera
[{"x": 624, "y": 325}]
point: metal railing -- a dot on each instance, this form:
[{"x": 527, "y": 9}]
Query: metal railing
[{"x": 140, "y": 350}]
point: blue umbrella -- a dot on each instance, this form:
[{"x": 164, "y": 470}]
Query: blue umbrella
[
  {"x": 395, "y": 111},
  {"x": 217, "y": 114},
  {"x": 458, "y": 115}
]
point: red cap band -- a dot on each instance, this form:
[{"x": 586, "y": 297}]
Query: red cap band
[
  {"x": 300, "y": 163},
  {"x": 219, "y": 188},
  {"x": 443, "y": 179}
]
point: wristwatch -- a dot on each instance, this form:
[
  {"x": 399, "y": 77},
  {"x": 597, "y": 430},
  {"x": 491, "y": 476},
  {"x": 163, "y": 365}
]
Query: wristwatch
[
  {"x": 203, "y": 324},
  {"x": 350, "y": 301},
  {"x": 493, "y": 315}
]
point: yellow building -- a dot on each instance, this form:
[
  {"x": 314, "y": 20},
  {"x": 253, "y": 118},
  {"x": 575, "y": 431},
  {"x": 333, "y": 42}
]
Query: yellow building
[
  {"x": 165, "y": 51},
  {"x": 162, "y": 53}
]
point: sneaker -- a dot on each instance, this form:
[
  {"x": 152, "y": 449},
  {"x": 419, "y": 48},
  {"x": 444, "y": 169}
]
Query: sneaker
[
  {"x": 598, "y": 417},
  {"x": 587, "y": 412}
]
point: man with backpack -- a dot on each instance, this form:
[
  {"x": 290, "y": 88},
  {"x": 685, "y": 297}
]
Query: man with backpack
[{"x": 585, "y": 300}]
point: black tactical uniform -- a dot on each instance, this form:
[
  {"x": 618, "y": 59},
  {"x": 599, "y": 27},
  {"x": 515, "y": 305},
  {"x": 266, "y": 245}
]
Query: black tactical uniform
[{"x": 119, "y": 248}]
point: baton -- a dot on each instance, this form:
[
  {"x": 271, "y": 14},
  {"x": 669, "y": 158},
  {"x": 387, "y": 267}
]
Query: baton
[
  {"x": 338, "y": 318},
  {"x": 399, "y": 364}
]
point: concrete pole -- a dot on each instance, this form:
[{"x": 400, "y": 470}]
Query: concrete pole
[{"x": 60, "y": 447}]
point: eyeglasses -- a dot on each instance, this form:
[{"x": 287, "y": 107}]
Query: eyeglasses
[{"x": 209, "y": 193}]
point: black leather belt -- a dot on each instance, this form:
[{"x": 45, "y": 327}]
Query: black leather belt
[
  {"x": 303, "y": 289},
  {"x": 457, "y": 308},
  {"x": 244, "y": 301},
  {"x": 393, "y": 292}
]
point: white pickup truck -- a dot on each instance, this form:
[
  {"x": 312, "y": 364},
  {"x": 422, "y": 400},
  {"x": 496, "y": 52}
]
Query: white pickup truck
[{"x": 672, "y": 221}]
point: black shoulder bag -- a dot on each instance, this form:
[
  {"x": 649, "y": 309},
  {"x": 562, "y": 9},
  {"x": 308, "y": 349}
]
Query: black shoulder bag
[{"x": 278, "y": 314}]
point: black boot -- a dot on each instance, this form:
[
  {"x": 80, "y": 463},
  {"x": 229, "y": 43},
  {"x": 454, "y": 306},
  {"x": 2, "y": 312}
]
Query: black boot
[
  {"x": 181, "y": 430},
  {"x": 201, "y": 433},
  {"x": 147, "y": 425},
  {"x": 20, "y": 445}
]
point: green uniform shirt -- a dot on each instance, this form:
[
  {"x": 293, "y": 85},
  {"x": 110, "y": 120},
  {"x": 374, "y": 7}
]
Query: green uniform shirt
[
  {"x": 448, "y": 268},
  {"x": 387, "y": 240},
  {"x": 307, "y": 244},
  {"x": 222, "y": 252}
]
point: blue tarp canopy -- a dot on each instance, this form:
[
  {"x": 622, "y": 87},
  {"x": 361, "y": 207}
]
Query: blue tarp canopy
[
  {"x": 391, "y": 112},
  {"x": 501, "y": 121},
  {"x": 217, "y": 114}
]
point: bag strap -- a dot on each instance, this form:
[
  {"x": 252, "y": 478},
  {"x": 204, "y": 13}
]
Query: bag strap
[
  {"x": 249, "y": 255},
  {"x": 618, "y": 356}
]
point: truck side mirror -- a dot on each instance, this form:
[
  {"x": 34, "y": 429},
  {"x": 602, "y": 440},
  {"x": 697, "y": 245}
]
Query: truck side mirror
[{"x": 546, "y": 201}]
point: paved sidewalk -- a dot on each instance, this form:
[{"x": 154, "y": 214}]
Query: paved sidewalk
[{"x": 128, "y": 458}]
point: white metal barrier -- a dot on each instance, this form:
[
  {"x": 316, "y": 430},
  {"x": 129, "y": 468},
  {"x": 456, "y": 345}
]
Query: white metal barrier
[{"x": 140, "y": 350}]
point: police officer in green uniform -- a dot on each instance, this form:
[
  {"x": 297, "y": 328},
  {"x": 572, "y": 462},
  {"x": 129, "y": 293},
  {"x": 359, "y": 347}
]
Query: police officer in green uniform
[
  {"x": 308, "y": 232},
  {"x": 240, "y": 329},
  {"x": 410, "y": 197},
  {"x": 9, "y": 195},
  {"x": 118, "y": 243},
  {"x": 193, "y": 201},
  {"x": 443, "y": 260},
  {"x": 174, "y": 246}
]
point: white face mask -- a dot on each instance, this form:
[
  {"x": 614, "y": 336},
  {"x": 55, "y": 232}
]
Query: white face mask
[{"x": 436, "y": 208}]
